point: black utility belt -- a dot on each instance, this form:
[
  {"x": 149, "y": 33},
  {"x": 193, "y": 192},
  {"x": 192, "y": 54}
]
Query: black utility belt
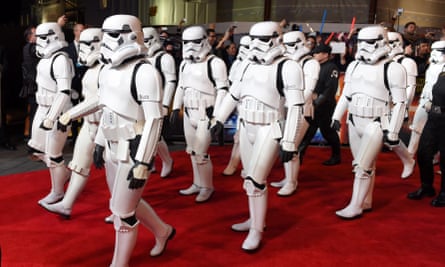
[{"x": 437, "y": 109}]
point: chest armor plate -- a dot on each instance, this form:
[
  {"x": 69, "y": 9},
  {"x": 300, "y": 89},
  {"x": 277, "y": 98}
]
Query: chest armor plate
[
  {"x": 195, "y": 76},
  {"x": 44, "y": 80},
  {"x": 115, "y": 92},
  {"x": 259, "y": 82},
  {"x": 369, "y": 80}
]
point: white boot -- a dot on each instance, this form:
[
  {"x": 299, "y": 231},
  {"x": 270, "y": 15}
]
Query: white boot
[
  {"x": 124, "y": 243},
  {"x": 75, "y": 186},
  {"x": 241, "y": 227},
  {"x": 360, "y": 190},
  {"x": 279, "y": 184},
  {"x": 257, "y": 210},
  {"x": 162, "y": 231},
  {"x": 59, "y": 176},
  {"x": 235, "y": 160},
  {"x": 194, "y": 188},
  {"x": 206, "y": 189},
  {"x": 367, "y": 203},
  {"x": 109, "y": 219},
  {"x": 407, "y": 160},
  {"x": 167, "y": 161},
  {"x": 291, "y": 170},
  {"x": 413, "y": 142}
]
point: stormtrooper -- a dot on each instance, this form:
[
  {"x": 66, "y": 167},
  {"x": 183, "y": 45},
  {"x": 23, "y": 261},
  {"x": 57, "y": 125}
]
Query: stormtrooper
[
  {"x": 89, "y": 55},
  {"x": 130, "y": 96},
  {"x": 54, "y": 73},
  {"x": 397, "y": 54},
  {"x": 243, "y": 51},
  {"x": 165, "y": 64},
  {"x": 436, "y": 67},
  {"x": 202, "y": 85},
  {"x": 296, "y": 49},
  {"x": 268, "y": 81},
  {"x": 371, "y": 82}
]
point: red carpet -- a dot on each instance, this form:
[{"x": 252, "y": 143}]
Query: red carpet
[{"x": 302, "y": 230}]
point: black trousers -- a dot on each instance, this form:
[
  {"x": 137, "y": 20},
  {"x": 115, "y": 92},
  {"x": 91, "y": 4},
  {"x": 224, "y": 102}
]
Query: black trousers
[
  {"x": 431, "y": 141},
  {"x": 322, "y": 120}
]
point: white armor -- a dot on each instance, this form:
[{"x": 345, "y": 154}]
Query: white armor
[
  {"x": 120, "y": 41},
  {"x": 397, "y": 54},
  {"x": 243, "y": 53},
  {"x": 437, "y": 66},
  {"x": 261, "y": 114},
  {"x": 367, "y": 99},
  {"x": 50, "y": 38},
  {"x": 199, "y": 96},
  {"x": 372, "y": 45},
  {"x": 265, "y": 45},
  {"x": 195, "y": 46},
  {"x": 54, "y": 73},
  {"x": 131, "y": 95},
  {"x": 235, "y": 72},
  {"x": 296, "y": 49},
  {"x": 165, "y": 64},
  {"x": 83, "y": 150}
]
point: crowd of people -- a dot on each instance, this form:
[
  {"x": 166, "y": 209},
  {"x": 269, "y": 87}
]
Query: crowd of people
[{"x": 117, "y": 88}]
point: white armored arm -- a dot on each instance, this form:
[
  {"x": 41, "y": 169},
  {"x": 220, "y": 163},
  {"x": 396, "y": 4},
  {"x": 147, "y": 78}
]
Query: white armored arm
[
  {"x": 397, "y": 83},
  {"x": 169, "y": 70},
  {"x": 227, "y": 106},
  {"x": 179, "y": 93},
  {"x": 411, "y": 71},
  {"x": 219, "y": 75},
  {"x": 342, "y": 104},
  {"x": 149, "y": 91},
  {"x": 151, "y": 132},
  {"x": 63, "y": 74},
  {"x": 311, "y": 70},
  {"x": 86, "y": 107},
  {"x": 293, "y": 88}
]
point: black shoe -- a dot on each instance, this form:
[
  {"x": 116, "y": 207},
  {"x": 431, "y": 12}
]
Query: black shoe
[
  {"x": 9, "y": 146},
  {"x": 439, "y": 201},
  {"x": 332, "y": 161},
  {"x": 421, "y": 192}
]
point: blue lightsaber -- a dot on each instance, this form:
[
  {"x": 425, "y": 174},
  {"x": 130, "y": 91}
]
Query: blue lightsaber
[{"x": 323, "y": 19}]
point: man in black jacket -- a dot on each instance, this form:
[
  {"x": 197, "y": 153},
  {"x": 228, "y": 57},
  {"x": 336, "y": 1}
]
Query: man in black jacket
[{"x": 324, "y": 104}]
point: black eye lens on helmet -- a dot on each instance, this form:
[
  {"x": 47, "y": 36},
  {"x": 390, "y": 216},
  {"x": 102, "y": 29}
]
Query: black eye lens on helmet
[
  {"x": 371, "y": 42},
  {"x": 113, "y": 34},
  {"x": 290, "y": 44},
  {"x": 264, "y": 39},
  {"x": 148, "y": 39},
  {"x": 44, "y": 36},
  {"x": 197, "y": 41}
]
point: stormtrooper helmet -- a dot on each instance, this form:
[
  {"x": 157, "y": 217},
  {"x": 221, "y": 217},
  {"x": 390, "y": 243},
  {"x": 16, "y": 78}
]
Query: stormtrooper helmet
[
  {"x": 437, "y": 52},
  {"x": 89, "y": 46},
  {"x": 50, "y": 38},
  {"x": 195, "y": 45},
  {"x": 395, "y": 41},
  {"x": 151, "y": 40},
  {"x": 372, "y": 44},
  {"x": 243, "y": 50},
  {"x": 295, "y": 44},
  {"x": 266, "y": 43},
  {"x": 122, "y": 39}
]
